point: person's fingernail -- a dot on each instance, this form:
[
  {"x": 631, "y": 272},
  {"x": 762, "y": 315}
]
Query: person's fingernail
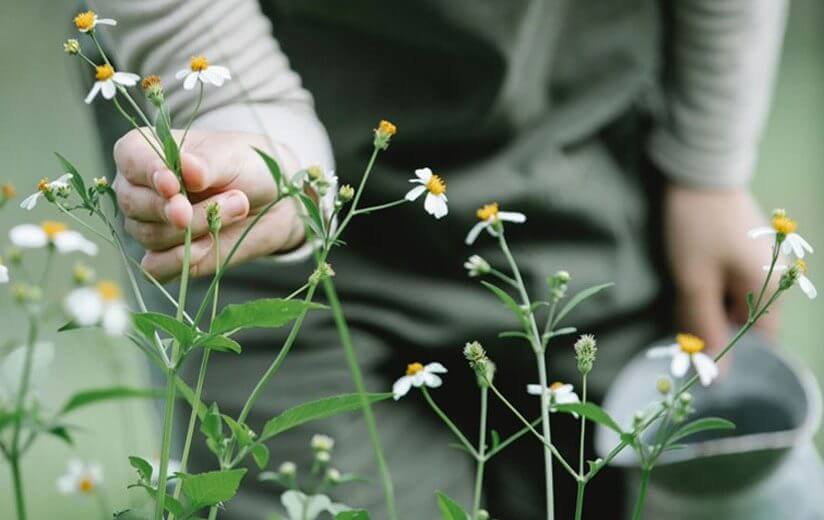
[{"x": 234, "y": 205}]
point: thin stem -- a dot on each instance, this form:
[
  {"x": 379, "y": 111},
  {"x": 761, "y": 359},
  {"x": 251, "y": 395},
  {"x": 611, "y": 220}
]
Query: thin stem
[
  {"x": 448, "y": 422},
  {"x": 297, "y": 291},
  {"x": 213, "y": 512},
  {"x": 194, "y": 114},
  {"x": 20, "y": 404},
  {"x": 17, "y": 483},
  {"x": 479, "y": 471},
  {"x": 357, "y": 377},
  {"x": 357, "y": 197},
  {"x": 503, "y": 277},
  {"x": 776, "y": 250},
  {"x": 579, "y": 501},
  {"x": 139, "y": 129},
  {"x": 642, "y": 494},
  {"x": 520, "y": 433},
  {"x": 370, "y": 209}
]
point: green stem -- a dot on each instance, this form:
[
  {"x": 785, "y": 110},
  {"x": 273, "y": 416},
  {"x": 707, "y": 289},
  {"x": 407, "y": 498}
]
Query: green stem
[
  {"x": 457, "y": 431},
  {"x": 642, "y": 494},
  {"x": 357, "y": 197},
  {"x": 479, "y": 472},
  {"x": 20, "y": 404},
  {"x": 17, "y": 483},
  {"x": 579, "y": 501},
  {"x": 192, "y": 117},
  {"x": 213, "y": 513},
  {"x": 168, "y": 419},
  {"x": 517, "y": 435},
  {"x": 140, "y": 130},
  {"x": 501, "y": 276},
  {"x": 351, "y": 359},
  {"x": 370, "y": 209}
]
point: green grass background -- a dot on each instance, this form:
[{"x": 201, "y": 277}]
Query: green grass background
[{"x": 41, "y": 111}]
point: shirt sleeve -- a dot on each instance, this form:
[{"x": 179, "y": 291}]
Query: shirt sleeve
[
  {"x": 724, "y": 56},
  {"x": 264, "y": 95}
]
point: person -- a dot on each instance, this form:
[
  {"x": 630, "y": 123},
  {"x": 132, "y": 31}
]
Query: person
[{"x": 626, "y": 130}]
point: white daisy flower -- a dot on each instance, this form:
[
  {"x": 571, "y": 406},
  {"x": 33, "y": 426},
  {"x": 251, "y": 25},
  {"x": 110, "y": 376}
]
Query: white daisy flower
[
  {"x": 687, "y": 349},
  {"x": 300, "y": 506},
  {"x": 65, "y": 240},
  {"x": 435, "y": 188},
  {"x": 418, "y": 375},
  {"x": 87, "y": 21},
  {"x": 4, "y": 274},
  {"x": 489, "y": 215},
  {"x": 172, "y": 468},
  {"x": 784, "y": 226},
  {"x": 108, "y": 80},
  {"x": 804, "y": 283},
  {"x": 200, "y": 70},
  {"x": 475, "y": 265},
  {"x": 558, "y": 393},
  {"x": 99, "y": 305},
  {"x": 80, "y": 478},
  {"x": 45, "y": 187}
]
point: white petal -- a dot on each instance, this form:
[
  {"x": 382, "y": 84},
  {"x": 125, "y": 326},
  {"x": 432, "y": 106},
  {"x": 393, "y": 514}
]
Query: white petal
[
  {"x": 93, "y": 92},
  {"x": 182, "y": 73},
  {"x": 803, "y": 243},
  {"x": 401, "y": 387},
  {"x": 511, "y": 216},
  {"x": 432, "y": 380},
  {"x": 28, "y": 236},
  {"x": 438, "y": 205},
  {"x": 475, "y": 231},
  {"x": 116, "y": 319},
  {"x": 561, "y": 390},
  {"x": 105, "y": 21},
  {"x": 663, "y": 352},
  {"x": 533, "y": 389},
  {"x": 569, "y": 398},
  {"x": 424, "y": 174},
  {"x": 315, "y": 505},
  {"x": 795, "y": 245},
  {"x": 4, "y": 274},
  {"x": 778, "y": 268},
  {"x": 706, "y": 368},
  {"x": 108, "y": 89},
  {"x": 95, "y": 471},
  {"x": 415, "y": 192},
  {"x": 63, "y": 180},
  {"x": 222, "y": 72},
  {"x": 66, "y": 485},
  {"x": 680, "y": 364},
  {"x": 760, "y": 231},
  {"x": 84, "y": 306},
  {"x": 189, "y": 82},
  {"x": 71, "y": 241},
  {"x": 435, "y": 368},
  {"x": 419, "y": 379},
  {"x": 807, "y": 286},
  {"x": 209, "y": 76},
  {"x": 127, "y": 79},
  {"x": 31, "y": 201},
  {"x": 430, "y": 203},
  {"x": 293, "y": 501}
]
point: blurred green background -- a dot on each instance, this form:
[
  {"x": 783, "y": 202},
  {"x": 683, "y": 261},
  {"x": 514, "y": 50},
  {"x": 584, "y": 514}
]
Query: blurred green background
[{"x": 41, "y": 111}]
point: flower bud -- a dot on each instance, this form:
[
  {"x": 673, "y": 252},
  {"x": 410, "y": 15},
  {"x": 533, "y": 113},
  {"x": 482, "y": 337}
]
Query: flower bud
[
  {"x": 288, "y": 469},
  {"x": 101, "y": 183},
  {"x": 333, "y": 475},
  {"x": 153, "y": 89},
  {"x": 213, "y": 217},
  {"x": 558, "y": 285},
  {"x": 71, "y": 46},
  {"x": 685, "y": 398},
  {"x": 322, "y": 456},
  {"x": 14, "y": 255},
  {"x": 477, "y": 266},
  {"x": 563, "y": 276},
  {"x": 315, "y": 173},
  {"x": 483, "y": 514},
  {"x": 82, "y": 274},
  {"x": 637, "y": 419},
  {"x": 346, "y": 193},
  {"x": 663, "y": 385},
  {"x": 383, "y": 133},
  {"x": 322, "y": 442},
  {"x": 8, "y": 191},
  {"x": 321, "y": 273},
  {"x": 585, "y": 351}
]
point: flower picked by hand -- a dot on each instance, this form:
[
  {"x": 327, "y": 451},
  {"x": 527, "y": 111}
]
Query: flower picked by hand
[
  {"x": 435, "y": 188},
  {"x": 201, "y": 70},
  {"x": 784, "y": 229},
  {"x": 47, "y": 189},
  {"x": 418, "y": 375},
  {"x": 107, "y": 81},
  {"x": 796, "y": 273},
  {"x": 687, "y": 349},
  {"x": 489, "y": 217}
]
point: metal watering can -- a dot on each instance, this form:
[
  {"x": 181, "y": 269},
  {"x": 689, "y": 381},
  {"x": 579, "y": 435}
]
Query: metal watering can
[{"x": 767, "y": 468}]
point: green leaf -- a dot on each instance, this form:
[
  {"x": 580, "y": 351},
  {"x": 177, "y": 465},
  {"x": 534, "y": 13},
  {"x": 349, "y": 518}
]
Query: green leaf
[
  {"x": 88, "y": 397},
  {"x": 143, "y": 467},
  {"x": 212, "y": 423},
  {"x": 260, "y": 452},
  {"x": 149, "y": 322},
  {"x": 69, "y": 326},
  {"x": 496, "y": 439},
  {"x": 242, "y": 433},
  {"x": 273, "y": 166},
  {"x": 750, "y": 303},
  {"x": 314, "y": 410},
  {"x": 591, "y": 411},
  {"x": 450, "y": 510},
  {"x": 265, "y": 313},
  {"x": 514, "y": 334},
  {"x": 218, "y": 343},
  {"x": 700, "y": 425},
  {"x": 578, "y": 298},
  {"x": 560, "y": 332},
  {"x": 315, "y": 218},
  {"x": 76, "y": 180},
  {"x": 208, "y": 489},
  {"x": 170, "y": 149},
  {"x": 506, "y": 298},
  {"x": 358, "y": 514}
]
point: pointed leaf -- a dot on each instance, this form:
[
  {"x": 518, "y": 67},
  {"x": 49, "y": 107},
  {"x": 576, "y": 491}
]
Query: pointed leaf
[
  {"x": 213, "y": 487},
  {"x": 170, "y": 149},
  {"x": 273, "y": 166},
  {"x": 506, "y": 298},
  {"x": 143, "y": 467},
  {"x": 578, "y": 298},
  {"x": 514, "y": 334},
  {"x": 76, "y": 180},
  {"x": 218, "y": 343},
  {"x": 450, "y": 510},
  {"x": 241, "y": 432},
  {"x": 591, "y": 411},
  {"x": 212, "y": 423},
  {"x": 149, "y": 322},
  {"x": 88, "y": 397},
  {"x": 700, "y": 425},
  {"x": 264, "y": 313},
  {"x": 318, "y": 225},
  {"x": 560, "y": 332},
  {"x": 260, "y": 452},
  {"x": 314, "y": 410},
  {"x": 496, "y": 439}
]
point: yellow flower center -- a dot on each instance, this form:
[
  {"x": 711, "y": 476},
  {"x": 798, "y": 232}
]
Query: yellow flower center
[
  {"x": 104, "y": 72},
  {"x": 43, "y": 185},
  {"x": 387, "y": 128},
  {"x": 413, "y": 368},
  {"x": 784, "y": 225},
  {"x": 690, "y": 343},
  {"x": 488, "y": 211},
  {"x": 85, "y": 21},
  {"x": 436, "y": 185},
  {"x": 85, "y": 485},
  {"x": 109, "y": 291},
  {"x": 199, "y": 63},
  {"x": 801, "y": 265},
  {"x": 53, "y": 228},
  {"x": 8, "y": 191},
  {"x": 556, "y": 385}
]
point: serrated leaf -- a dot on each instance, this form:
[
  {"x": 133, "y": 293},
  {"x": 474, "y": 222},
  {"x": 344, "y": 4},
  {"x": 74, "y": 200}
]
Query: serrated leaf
[
  {"x": 314, "y": 410},
  {"x": 143, "y": 467},
  {"x": 218, "y": 343},
  {"x": 260, "y": 452},
  {"x": 359, "y": 514},
  {"x": 506, "y": 298},
  {"x": 578, "y": 298},
  {"x": 450, "y": 510},
  {"x": 700, "y": 425},
  {"x": 149, "y": 322},
  {"x": 88, "y": 397},
  {"x": 274, "y": 167},
  {"x": 76, "y": 180},
  {"x": 263, "y": 313},
  {"x": 213, "y": 487},
  {"x": 591, "y": 411}
]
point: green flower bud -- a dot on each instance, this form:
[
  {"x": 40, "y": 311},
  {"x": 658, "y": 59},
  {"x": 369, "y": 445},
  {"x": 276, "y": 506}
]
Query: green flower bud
[
  {"x": 213, "y": 217},
  {"x": 346, "y": 193},
  {"x": 585, "y": 351},
  {"x": 663, "y": 385},
  {"x": 322, "y": 272},
  {"x": 71, "y": 46},
  {"x": 288, "y": 469}
]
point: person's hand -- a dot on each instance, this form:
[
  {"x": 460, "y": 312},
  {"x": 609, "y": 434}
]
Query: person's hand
[
  {"x": 713, "y": 262},
  {"x": 217, "y": 167}
]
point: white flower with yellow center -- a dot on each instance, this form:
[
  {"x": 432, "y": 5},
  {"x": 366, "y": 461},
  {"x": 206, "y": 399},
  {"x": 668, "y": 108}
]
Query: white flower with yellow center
[
  {"x": 87, "y": 21},
  {"x": 804, "y": 283},
  {"x": 418, "y": 375},
  {"x": 81, "y": 478},
  {"x": 435, "y": 188},
  {"x": 784, "y": 227},
  {"x": 65, "y": 240},
  {"x": 44, "y": 187},
  {"x": 558, "y": 393},
  {"x": 687, "y": 349},
  {"x": 489, "y": 216},
  {"x": 99, "y": 305},
  {"x": 4, "y": 274},
  {"x": 200, "y": 70},
  {"x": 107, "y": 81}
]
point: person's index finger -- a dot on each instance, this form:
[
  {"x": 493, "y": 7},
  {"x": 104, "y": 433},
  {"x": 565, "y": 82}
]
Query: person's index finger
[{"x": 136, "y": 160}]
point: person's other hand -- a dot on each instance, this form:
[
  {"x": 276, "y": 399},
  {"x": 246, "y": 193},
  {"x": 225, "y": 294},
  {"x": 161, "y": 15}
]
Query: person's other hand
[
  {"x": 217, "y": 167},
  {"x": 713, "y": 262}
]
